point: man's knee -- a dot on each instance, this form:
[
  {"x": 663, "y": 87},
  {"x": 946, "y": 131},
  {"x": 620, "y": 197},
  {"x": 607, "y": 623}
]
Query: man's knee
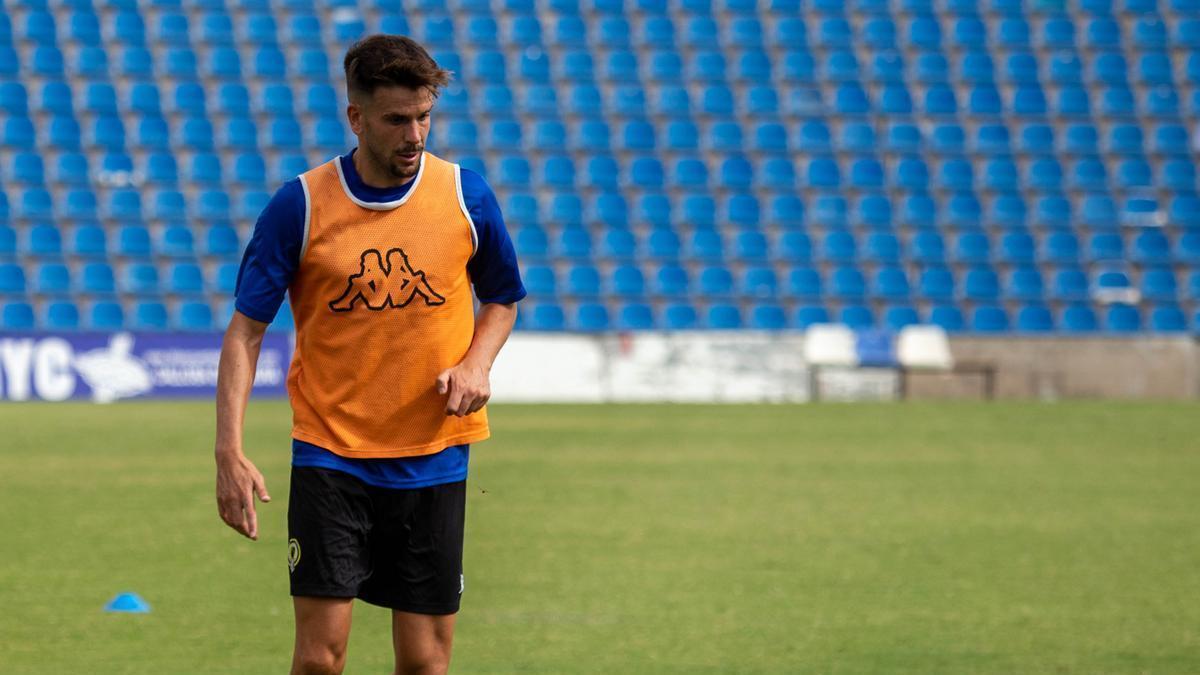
[
  {"x": 430, "y": 662},
  {"x": 319, "y": 659}
]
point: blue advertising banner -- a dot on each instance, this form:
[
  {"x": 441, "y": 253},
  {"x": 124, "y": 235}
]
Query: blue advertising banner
[{"x": 106, "y": 367}]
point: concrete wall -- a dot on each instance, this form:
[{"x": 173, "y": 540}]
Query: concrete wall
[{"x": 1057, "y": 367}]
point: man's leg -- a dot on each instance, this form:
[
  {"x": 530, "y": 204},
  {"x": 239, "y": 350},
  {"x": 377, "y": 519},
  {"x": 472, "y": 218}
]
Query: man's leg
[
  {"x": 422, "y": 642},
  {"x": 322, "y": 631}
]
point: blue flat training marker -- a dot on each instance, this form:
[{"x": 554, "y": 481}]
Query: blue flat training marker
[{"x": 131, "y": 603}]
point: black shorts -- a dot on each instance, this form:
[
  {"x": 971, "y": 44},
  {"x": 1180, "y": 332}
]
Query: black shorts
[{"x": 400, "y": 549}]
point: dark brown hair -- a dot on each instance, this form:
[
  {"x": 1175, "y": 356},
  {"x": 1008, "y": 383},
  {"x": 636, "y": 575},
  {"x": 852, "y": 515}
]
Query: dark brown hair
[{"x": 391, "y": 60}]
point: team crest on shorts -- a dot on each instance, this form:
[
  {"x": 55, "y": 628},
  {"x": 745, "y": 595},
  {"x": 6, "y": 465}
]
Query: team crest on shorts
[
  {"x": 384, "y": 282},
  {"x": 293, "y": 554}
]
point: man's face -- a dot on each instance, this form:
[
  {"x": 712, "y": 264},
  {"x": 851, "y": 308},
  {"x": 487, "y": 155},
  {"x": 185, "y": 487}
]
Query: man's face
[{"x": 392, "y": 124}]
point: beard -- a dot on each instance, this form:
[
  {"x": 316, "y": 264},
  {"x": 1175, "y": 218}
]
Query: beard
[{"x": 396, "y": 166}]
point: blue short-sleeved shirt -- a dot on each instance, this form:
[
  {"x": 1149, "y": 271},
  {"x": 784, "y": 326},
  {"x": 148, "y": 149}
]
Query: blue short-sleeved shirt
[{"x": 273, "y": 255}]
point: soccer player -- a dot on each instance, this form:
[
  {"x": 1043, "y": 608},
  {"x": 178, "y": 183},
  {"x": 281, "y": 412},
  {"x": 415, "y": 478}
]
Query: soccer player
[{"x": 379, "y": 250}]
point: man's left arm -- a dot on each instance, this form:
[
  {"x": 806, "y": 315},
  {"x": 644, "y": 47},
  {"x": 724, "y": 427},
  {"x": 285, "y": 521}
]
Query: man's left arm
[
  {"x": 496, "y": 278},
  {"x": 468, "y": 384}
]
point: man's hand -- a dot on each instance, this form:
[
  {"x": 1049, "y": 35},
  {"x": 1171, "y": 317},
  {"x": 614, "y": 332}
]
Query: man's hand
[
  {"x": 468, "y": 388},
  {"x": 238, "y": 481}
]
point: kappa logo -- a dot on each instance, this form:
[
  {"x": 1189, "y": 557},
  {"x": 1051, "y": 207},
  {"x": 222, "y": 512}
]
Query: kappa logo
[{"x": 381, "y": 284}]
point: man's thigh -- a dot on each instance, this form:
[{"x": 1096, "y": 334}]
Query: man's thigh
[
  {"x": 322, "y": 633},
  {"x": 422, "y": 641}
]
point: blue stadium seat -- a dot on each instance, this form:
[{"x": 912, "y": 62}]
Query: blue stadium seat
[
  {"x": 1151, "y": 247},
  {"x": 846, "y": 282},
  {"x": 185, "y": 279},
  {"x": 35, "y": 204},
  {"x": 140, "y": 279},
  {"x": 663, "y": 244},
  {"x": 17, "y": 315},
  {"x": 873, "y": 211},
  {"x": 838, "y": 66},
  {"x": 1167, "y": 318},
  {"x": 1034, "y": 318},
  {"x": 988, "y": 318},
  {"x": 128, "y": 27},
  {"x": 723, "y": 316},
  {"x": 807, "y": 315},
  {"x": 574, "y": 243},
  {"x": 890, "y": 283},
  {"x": 1122, "y": 318},
  {"x": 1024, "y": 283},
  {"x": 679, "y": 316},
  {"x": 707, "y": 245},
  {"x": 1058, "y": 32},
  {"x": 1153, "y": 70},
  {"x": 1069, "y": 284},
  {"x": 767, "y": 316},
  {"x": 1187, "y": 249},
  {"x": 106, "y": 315},
  {"x": 43, "y": 240},
  {"x": 887, "y": 66},
  {"x": 980, "y": 283},
  {"x": 1158, "y": 284},
  {"x": 195, "y": 316},
  {"x": 52, "y": 279},
  {"x": 176, "y": 241},
  {"x": 857, "y": 317},
  {"x": 221, "y": 241},
  {"x": 917, "y": 211},
  {"x": 590, "y": 317},
  {"x": 635, "y": 316},
  {"x": 626, "y": 281},
  {"x": 89, "y": 241},
  {"x": 903, "y": 138},
  {"x": 149, "y": 315},
  {"x": 60, "y": 315},
  {"x": 97, "y": 279}
]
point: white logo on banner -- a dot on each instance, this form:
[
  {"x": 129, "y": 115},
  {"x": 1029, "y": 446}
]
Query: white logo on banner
[{"x": 114, "y": 372}]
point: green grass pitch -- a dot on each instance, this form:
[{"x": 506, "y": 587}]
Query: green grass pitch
[{"x": 1011, "y": 538}]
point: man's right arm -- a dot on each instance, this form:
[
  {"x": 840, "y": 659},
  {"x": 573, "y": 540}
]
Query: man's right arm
[
  {"x": 238, "y": 480},
  {"x": 268, "y": 265}
]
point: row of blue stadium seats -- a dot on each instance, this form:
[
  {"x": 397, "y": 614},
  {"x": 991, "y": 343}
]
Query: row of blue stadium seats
[
  {"x": 869, "y": 210},
  {"x": 888, "y": 282},
  {"x": 1000, "y": 175},
  {"x": 1081, "y": 168},
  {"x": 144, "y": 99},
  {"x": 218, "y": 28},
  {"x": 533, "y": 66},
  {"x": 46, "y": 241},
  {"x": 601, "y": 8},
  {"x": 691, "y": 210},
  {"x": 1148, "y": 247},
  {"x": 794, "y": 66},
  {"x": 101, "y": 279},
  {"x": 107, "y": 133},
  {"x": 590, "y": 316},
  {"x": 980, "y": 282},
  {"x": 208, "y": 206},
  {"x": 540, "y": 107},
  {"x": 111, "y": 315},
  {"x": 1148, "y": 31}
]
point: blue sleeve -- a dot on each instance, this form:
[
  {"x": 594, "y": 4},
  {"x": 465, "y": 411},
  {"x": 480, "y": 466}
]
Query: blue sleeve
[
  {"x": 493, "y": 268},
  {"x": 273, "y": 254}
]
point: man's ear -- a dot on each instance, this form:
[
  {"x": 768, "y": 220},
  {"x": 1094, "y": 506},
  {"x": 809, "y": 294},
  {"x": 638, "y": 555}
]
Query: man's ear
[{"x": 354, "y": 116}]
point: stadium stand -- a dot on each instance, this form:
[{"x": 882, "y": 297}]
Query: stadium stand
[{"x": 998, "y": 167}]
